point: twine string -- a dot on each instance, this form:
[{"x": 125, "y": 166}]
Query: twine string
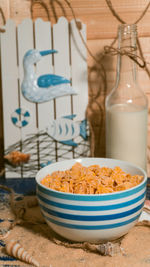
[
  {"x": 54, "y": 9},
  {"x": 78, "y": 24},
  {"x": 143, "y": 13},
  {"x": 137, "y": 59},
  {"x": 126, "y": 51},
  {"x": 109, "y": 4},
  {"x": 115, "y": 14},
  {"x": 141, "y": 57},
  {"x": 3, "y": 18},
  {"x": 98, "y": 60},
  {"x": 42, "y": 4}
]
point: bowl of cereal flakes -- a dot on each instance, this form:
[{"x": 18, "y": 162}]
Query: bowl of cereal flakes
[{"x": 91, "y": 199}]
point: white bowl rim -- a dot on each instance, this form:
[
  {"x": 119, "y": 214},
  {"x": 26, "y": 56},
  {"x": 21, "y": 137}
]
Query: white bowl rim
[{"x": 88, "y": 158}]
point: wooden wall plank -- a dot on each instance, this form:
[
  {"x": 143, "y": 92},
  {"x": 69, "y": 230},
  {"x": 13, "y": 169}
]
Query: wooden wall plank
[
  {"x": 79, "y": 77},
  {"x": 5, "y": 5},
  {"x": 94, "y": 13}
]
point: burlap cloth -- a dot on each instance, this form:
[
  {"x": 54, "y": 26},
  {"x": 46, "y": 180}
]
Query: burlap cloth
[{"x": 51, "y": 250}]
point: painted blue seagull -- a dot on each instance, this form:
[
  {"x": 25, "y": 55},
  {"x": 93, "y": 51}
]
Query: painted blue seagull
[{"x": 46, "y": 87}]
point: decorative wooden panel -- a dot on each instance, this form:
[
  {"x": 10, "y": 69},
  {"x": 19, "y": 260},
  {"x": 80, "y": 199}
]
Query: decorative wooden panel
[{"x": 69, "y": 62}]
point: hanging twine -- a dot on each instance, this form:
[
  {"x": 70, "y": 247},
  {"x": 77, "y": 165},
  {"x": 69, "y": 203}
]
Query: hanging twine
[
  {"x": 42, "y": 4},
  {"x": 144, "y": 65},
  {"x": 111, "y": 51},
  {"x": 107, "y": 49},
  {"x": 3, "y": 18},
  {"x": 126, "y": 51},
  {"x": 54, "y": 12},
  {"x": 119, "y": 18}
]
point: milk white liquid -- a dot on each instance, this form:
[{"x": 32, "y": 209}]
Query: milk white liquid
[{"x": 126, "y": 134}]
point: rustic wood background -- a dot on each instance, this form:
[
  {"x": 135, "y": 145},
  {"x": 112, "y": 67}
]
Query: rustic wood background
[{"x": 101, "y": 29}]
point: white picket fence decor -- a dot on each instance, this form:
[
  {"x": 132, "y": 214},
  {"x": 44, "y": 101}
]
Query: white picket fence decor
[{"x": 70, "y": 62}]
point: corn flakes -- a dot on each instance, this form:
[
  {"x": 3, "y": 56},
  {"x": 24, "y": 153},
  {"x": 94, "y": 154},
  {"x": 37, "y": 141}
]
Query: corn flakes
[{"x": 91, "y": 180}]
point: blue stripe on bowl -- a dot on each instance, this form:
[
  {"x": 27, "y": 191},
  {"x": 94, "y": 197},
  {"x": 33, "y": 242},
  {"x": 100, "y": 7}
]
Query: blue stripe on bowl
[
  {"x": 93, "y": 227},
  {"x": 91, "y": 218},
  {"x": 91, "y": 208},
  {"x": 102, "y": 197}
]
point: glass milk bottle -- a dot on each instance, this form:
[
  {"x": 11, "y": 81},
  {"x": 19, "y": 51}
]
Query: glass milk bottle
[{"x": 127, "y": 107}]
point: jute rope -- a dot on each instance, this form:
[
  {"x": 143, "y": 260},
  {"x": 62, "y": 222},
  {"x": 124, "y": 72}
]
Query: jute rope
[
  {"x": 3, "y": 18},
  {"x": 109, "y": 3},
  {"x": 126, "y": 51},
  {"x": 43, "y": 5},
  {"x": 114, "y": 13},
  {"x": 52, "y": 4},
  {"x": 106, "y": 49}
]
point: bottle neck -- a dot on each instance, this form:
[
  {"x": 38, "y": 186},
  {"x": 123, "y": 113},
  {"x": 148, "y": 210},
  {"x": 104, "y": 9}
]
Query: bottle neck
[{"x": 126, "y": 67}]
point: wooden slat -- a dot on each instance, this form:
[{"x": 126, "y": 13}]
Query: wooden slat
[
  {"x": 24, "y": 44},
  {"x": 79, "y": 76},
  {"x": 6, "y": 9},
  {"x": 62, "y": 67},
  {"x": 62, "y": 62},
  {"x": 10, "y": 85},
  {"x": 43, "y": 41}
]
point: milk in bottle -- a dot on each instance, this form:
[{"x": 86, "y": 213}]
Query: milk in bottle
[{"x": 127, "y": 107}]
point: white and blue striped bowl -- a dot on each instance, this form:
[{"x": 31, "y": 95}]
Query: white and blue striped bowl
[{"x": 91, "y": 218}]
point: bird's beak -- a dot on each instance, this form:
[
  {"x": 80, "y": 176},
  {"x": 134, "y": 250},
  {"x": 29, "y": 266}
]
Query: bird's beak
[{"x": 47, "y": 52}]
